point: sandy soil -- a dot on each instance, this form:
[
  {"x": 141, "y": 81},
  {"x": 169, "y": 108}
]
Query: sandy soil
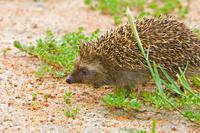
[{"x": 26, "y": 20}]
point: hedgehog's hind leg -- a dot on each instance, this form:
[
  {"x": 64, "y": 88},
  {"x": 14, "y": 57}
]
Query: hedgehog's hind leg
[{"x": 137, "y": 88}]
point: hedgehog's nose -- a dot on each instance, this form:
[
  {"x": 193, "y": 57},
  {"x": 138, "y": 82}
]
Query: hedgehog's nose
[{"x": 69, "y": 80}]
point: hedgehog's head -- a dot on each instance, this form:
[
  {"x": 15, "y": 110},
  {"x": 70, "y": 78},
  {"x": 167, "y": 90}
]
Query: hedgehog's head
[{"x": 88, "y": 72}]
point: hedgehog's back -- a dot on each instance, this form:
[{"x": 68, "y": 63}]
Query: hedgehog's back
[{"x": 171, "y": 43}]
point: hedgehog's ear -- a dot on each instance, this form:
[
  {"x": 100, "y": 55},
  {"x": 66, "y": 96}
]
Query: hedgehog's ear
[{"x": 77, "y": 61}]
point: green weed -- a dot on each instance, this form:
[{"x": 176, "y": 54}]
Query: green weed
[
  {"x": 197, "y": 31},
  {"x": 43, "y": 71},
  {"x": 59, "y": 74},
  {"x": 5, "y": 51},
  {"x": 153, "y": 128},
  {"x": 58, "y": 55},
  {"x": 34, "y": 96},
  {"x": 46, "y": 96},
  {"x": 35, "y": 105},
  {"x": 117, "y": 8},
  {"x": 88, "y": 2},
  {"x": 196, "y": 81},
  {"x": 72, "y": 112},
  {"x": 67, "y": 96},
  {"x": 154, "y": 98},
  {"x": 122, "y": 99}
]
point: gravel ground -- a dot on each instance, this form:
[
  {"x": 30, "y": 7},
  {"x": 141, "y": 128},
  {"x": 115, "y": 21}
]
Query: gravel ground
[{"x": 27, "y": 20}]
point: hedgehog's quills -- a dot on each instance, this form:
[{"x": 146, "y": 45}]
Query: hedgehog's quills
[{"x": 114, "y": 59}]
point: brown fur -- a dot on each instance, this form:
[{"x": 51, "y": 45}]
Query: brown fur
[{"x": 114, "y": 59}]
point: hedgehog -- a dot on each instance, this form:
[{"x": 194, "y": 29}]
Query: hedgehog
[{"x": 114, "y": 58}]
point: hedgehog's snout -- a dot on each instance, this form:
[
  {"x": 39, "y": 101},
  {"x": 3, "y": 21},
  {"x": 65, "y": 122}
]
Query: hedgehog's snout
[{"x": 69, "y": 80}]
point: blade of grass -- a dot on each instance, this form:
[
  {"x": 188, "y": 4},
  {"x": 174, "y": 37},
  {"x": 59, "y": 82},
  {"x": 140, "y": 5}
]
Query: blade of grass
[
  {"x": 154, "y": 72},
  {"x": 153, "y": 129},
  {"x": 158, "y": 80},
  {"x": 172, "y": 86},
  {"x": 185, "y": 83}
]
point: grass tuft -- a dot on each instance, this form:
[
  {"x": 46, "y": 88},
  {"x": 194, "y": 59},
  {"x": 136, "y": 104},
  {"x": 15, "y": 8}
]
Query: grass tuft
[
  {"x": 34, "y": 96},
  {"x": 196, "y": 81},
  {"x": 117, "y": 8},
  {"x": 122, "y": 99},
  {"x": 67, "y": 96},
  {"x": 72, "y": 112},
  {"x": 4, "y": 51},
  {"x": 197, "y": 31}
]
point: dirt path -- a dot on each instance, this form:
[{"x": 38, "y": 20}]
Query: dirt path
[{"x": 27, "y": 20}]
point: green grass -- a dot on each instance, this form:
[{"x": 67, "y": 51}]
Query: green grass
[
  {"x": 196, "y": 81},
  {"x": 197, "y": 31},
  {"x": 34, "y": 96},
  {"x": 153, "y": 128},
  {"x": 35, "y": 105},
  {"x": 4, "y": 51},
  {"x": 71, "y": 112},
  {"x": 122, "y": 99},
  {"x": 57, "y": 55},
  {"x": 46, "y": 97},
  {"x": 186, "y": 102},
  {"x": 67, "y": 96},
  {"x": 44, "y": 70},
  {"x": 117, "y": 8}
]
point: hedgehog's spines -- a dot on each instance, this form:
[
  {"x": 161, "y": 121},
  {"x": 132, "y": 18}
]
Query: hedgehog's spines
[{"x": 172, "y": 44}]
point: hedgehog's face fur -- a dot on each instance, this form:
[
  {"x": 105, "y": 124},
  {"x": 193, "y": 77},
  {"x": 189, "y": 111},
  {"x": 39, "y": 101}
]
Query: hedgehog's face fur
[{"x": 88, "y": 73}]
